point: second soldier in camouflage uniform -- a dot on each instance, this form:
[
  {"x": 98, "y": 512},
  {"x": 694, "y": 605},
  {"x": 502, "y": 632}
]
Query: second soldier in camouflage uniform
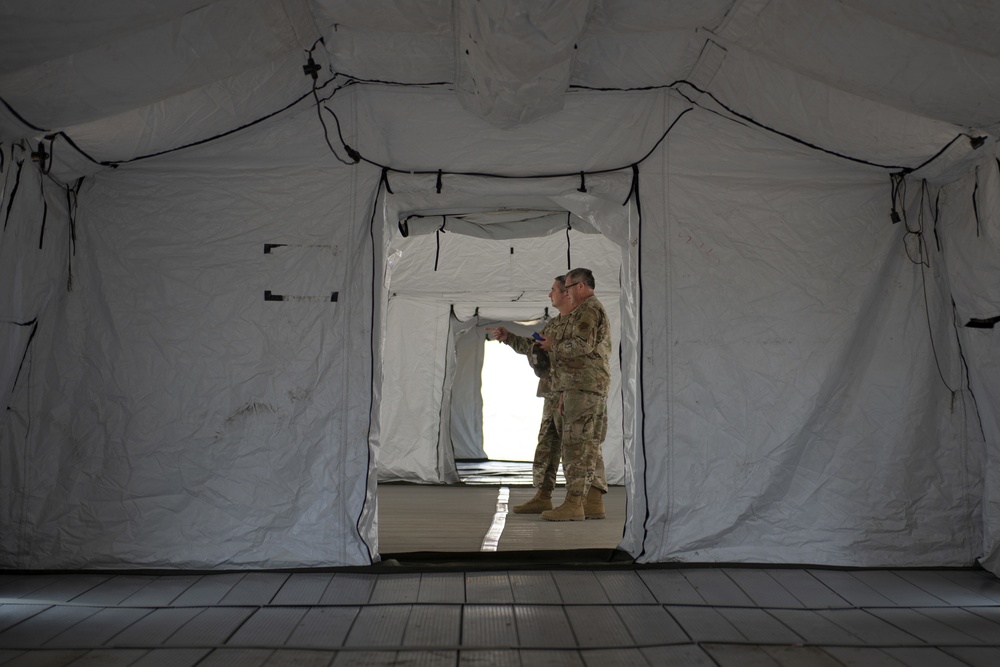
[{"x": 547, "y": 450}]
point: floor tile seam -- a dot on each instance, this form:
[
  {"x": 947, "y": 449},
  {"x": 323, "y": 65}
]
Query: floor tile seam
[
  {"x": 48, "y": 604},
  {"x": 501, "y": 646},
  {"x": 859, "y": 644}
]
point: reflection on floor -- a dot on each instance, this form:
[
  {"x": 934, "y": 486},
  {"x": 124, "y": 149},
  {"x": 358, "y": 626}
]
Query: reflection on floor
[{"x": 497, "y": 473}]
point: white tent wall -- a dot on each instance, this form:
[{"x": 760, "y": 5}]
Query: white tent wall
[
  {"x": 467, "y": 424},
  {"x": 794, "y": 409},
  {"x": 170, "y": 415},
  {"x": 415, "y": 347},
  {"x": 961, "y": 223},
  {"x": 34, "y": 252}
]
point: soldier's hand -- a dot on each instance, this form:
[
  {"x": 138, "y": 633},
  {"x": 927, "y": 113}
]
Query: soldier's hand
[
  {"x": 499, "y": 333},
  {"x": 544, "y": 343}
]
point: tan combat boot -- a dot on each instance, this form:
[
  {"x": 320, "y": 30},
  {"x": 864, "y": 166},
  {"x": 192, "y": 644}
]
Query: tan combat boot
[
  {"x": 570, "y": 510},
  {"x": 541, "y": 501},
  {"x": 593, "y": 507}
]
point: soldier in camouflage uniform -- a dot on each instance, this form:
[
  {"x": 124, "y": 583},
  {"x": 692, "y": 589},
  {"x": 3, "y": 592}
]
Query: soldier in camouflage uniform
[
  {"x": 548, "y": 448},
  {"x": 579, "y": 347}
]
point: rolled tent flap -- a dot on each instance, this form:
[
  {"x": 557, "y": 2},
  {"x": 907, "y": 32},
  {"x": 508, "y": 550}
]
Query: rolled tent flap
[{"x": 500, "y": 224}]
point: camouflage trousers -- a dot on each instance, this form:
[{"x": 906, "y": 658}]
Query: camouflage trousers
[
  {"x": 581, "y": 426},
  {"x": 548, "y": 451}
]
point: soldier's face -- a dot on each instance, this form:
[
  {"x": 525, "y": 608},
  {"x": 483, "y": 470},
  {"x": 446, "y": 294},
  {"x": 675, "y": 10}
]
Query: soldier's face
[
  {"x": 571, "y": 295},
  {"x": 557, "y": 295}
]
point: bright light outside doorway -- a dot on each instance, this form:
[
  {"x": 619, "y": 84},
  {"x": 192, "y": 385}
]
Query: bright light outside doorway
[{"x": 511, "y": 411}]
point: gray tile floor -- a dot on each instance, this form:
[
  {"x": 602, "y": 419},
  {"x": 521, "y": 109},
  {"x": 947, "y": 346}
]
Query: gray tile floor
[{"x": 615, "y": 615}]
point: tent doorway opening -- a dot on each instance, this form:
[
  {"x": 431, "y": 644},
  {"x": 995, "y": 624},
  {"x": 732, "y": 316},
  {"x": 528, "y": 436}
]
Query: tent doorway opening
[
  {"x": 511, "y": 410},
  {"x": 450, "y": 271}
]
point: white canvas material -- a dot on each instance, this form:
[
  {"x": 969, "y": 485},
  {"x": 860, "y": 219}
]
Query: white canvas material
[{"x": 218, "y": 341}]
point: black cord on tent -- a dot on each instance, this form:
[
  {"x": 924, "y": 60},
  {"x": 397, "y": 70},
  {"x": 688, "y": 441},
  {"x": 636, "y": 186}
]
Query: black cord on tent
[
  {"x": 116, "y": 163},
  {"x": 916, "y": 232},
  {"x": 72, "y": 205},
  {"x": 937, "y": 215},
  {"x": 569, "y": 227},
  {"x": 583, "y": 182},
  {"x": 13, "y": 192},
  {"x": 786, "y": 135},
  {"x": 311, "y": 69},
  {"x": 437, "y": 240},
  {"x": 438, "y": 184},
  {"x": 896, "y": 181},
  {"x": 326, "y": 130},
  {"x": 313, "y": 92},
  {"x": 33, "y": 323},
  {"x": 351, "y": 79},
  {"x": 382, "y": 181},
  {"x": 45, "y": 213},
  {"x": 924, "y": 265},
  {"x": 634, "y": 191},
  {"x": 21, "y": 118},
  {"x": 975, "y": 141},
  {"x": 423, "y": 172},
  {"x": 933, "y": 157},
  {"x": 88, "y": 156},
  {"x": 965, "y": 365},
  {"x": 975, "y": 202}
]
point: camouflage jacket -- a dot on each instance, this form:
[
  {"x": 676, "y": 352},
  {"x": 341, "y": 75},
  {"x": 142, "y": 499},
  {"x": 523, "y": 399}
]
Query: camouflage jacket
[
  {"x": 524, "y": 345},
  {"x": 581, "y": 349}
]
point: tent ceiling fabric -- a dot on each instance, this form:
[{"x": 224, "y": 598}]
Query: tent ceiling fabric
[
  {"x": 514, "y": 59},
  {"x": 124, "y": 79}
]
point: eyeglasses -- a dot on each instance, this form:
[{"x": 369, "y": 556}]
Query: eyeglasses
[{"x": 568, "y": 285}]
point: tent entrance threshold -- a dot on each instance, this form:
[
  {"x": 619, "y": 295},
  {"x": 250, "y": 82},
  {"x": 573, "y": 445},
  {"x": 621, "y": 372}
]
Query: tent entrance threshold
[
  {"x": 586, "y": 559},
  {"x": 425, "y": 519}
]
